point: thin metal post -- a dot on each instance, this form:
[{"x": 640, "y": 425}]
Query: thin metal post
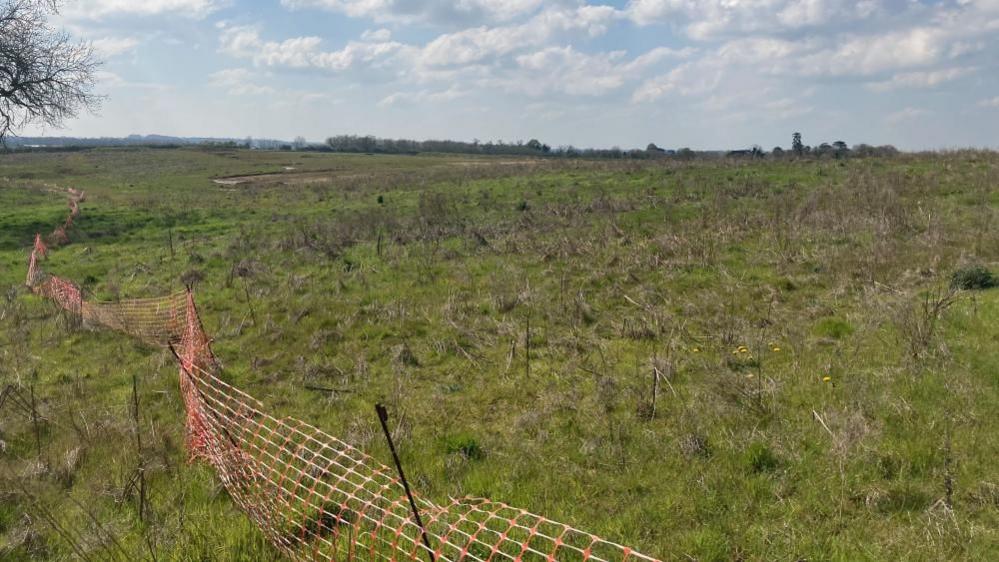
[
  {"x": 383, "y": 418},
  {"x": 141, "y": 469},
  {"x": 34, "y": 420}
]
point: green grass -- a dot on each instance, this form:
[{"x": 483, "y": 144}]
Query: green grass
[{"x": 411, "y": 281}]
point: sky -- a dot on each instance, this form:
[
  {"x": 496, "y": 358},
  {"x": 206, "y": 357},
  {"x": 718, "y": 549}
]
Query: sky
[{"x": 707, "y": 74}]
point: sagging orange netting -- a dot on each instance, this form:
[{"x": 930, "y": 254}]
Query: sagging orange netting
[
  {"x": 60, "y": 235},
  {"x": 314, "y": 496}
]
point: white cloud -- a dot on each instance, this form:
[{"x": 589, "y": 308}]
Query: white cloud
[
  {"x": 422, "y": 96},
  {"x": 108, "y": 79},
  {"x": 870, "y": 54},
  {"x": 786, "y": 108},
  {"x": 98, "y": 9},
  {"x": 992, "y": 102},
  {"x": 904, "y": 115},
  {"x": 230, "y": 76},
  {"x": 302, "y": 52},
  {"x": 471, "y": 56},
  {"x": 113, "y": 46},
  {"x": 961, "y": 48},
  {"x": 246, "y": 82},
  {"x": 376, "y": 34},
  {"x": 704, "y": 19},
  {"x": 756, "y": 50},
  {"x": 318, "y": 97},
  {"x": 568, "y": 71},
  {"x": 238, "y": 82},
  {"x": 745, "y": 67},
  {"x": 925, "y": 79},
  {"x": 688, "y": 79},
  {"x": 476, "y": 44},
  {"x": 434, "y": 11}
]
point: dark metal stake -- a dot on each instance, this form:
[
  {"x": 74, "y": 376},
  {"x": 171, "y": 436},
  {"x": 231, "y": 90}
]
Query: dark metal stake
[
  {"x": 141, "y": 469},
  {"x": 383, "y": 417},
  {"x": 34, "y": 422},
  {"x": 527, "y": 347}
]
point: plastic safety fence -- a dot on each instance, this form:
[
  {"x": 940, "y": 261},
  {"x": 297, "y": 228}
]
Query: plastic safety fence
[
  {"x": 318, "y": 498},
  {"x": 60, "y": 235},
  {"x": 314, "y": 496},
  {"x": 156, "y": 321}
]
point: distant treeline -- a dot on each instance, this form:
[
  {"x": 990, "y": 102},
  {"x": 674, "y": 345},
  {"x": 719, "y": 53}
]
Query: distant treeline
[
  {"x": 533, "y": 147},
  {"x": 369, "y": 144},
  {"x": 139, "y": 141},
  {"x": 373, "y": 145}
]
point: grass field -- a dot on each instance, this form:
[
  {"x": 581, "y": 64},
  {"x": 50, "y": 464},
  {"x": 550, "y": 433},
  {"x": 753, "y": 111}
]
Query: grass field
[{"x": 822, "y": 393}]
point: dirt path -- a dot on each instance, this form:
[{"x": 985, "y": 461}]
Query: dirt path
[{"x": 317, "y": 176}]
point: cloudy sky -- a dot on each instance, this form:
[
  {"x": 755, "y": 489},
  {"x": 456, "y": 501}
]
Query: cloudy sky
[{"x": 698, "y": 73}]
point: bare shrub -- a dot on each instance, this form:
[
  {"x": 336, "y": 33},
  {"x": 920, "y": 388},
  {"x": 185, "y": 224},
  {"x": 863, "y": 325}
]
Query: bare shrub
[{"x": 918, "y": 323}]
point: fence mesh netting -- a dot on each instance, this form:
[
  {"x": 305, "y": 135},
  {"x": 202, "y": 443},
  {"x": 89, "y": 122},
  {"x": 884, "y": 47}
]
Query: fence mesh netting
[{"x": 314, "y": 496}]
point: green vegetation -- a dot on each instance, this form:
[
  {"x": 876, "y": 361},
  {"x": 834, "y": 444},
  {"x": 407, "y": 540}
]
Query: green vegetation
[
  {"x": 723, "y": 360},
  {"x": 973, "y": 277}
]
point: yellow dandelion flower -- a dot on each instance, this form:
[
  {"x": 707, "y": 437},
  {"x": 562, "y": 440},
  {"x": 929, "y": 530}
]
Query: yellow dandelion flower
[
  {"x": 695, "y": 349},
  {"x": 776, "y": 349},
  {"x": 826, "y": 378}
]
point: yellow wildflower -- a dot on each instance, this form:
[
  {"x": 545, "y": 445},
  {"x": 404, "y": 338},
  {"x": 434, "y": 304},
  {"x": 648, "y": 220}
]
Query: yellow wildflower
[{"x": 826, "y": 378}]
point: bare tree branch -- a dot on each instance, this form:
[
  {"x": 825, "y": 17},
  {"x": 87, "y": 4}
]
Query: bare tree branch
[{"x": 45, "y": 76}]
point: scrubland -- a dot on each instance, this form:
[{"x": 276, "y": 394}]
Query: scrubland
[{"x": 712, "y": 360}]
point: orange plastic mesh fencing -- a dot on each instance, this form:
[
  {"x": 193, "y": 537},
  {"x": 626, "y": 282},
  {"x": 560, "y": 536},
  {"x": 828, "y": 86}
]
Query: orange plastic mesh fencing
[
  {"x": 65, "y": 293},
  {"x": 60, "y": 236},
  {"x": 314, "y": 496},
  {"x": 40, "y": 248},
  {"x": 157, "y": 321},
  {"x": 34, "y": 272},
  {"x": 317, "y": 498}
]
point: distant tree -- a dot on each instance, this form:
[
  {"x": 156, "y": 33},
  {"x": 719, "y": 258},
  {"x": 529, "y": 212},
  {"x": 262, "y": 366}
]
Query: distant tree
[
  {"x": 300, "y": 143},
  {"x": 535, "y": 144},
  {"x": 45, "y": 76},
  {"x": 796, "y": 145},
  {"x": 841, "y": 150},
  {"x": 777, "y": 152},
  {"x": 685, "y": 154},
  {"x": 863, "y": 150}
]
